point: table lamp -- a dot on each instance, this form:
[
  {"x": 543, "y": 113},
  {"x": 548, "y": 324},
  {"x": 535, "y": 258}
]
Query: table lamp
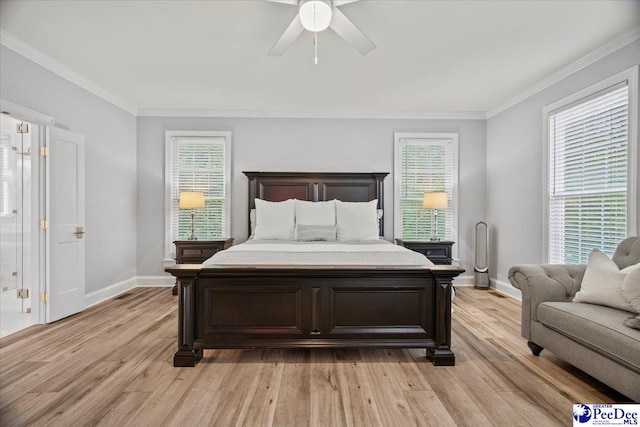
[
  {"x": 435, "y": 200},
  {"x": 192, "y": 200}
]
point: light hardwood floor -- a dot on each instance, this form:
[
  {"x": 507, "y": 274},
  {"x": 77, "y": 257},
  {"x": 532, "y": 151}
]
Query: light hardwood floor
[{"x": 112, "y": 365}]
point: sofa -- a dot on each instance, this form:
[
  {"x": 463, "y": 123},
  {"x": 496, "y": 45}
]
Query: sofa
[{"x": 594, "y": 338}]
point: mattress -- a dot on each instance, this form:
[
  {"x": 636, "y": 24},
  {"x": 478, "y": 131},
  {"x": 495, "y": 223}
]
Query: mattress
[{"x": 279, "y": 252}]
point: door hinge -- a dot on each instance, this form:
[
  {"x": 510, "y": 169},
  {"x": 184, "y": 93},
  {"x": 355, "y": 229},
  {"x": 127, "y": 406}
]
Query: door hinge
[
  {"x": 44, "y": 151},
  {"x": 22, "y": 128},
  {"x": 44, "y": 224},
  {"x": 44, "y": 297},
  {"x": 23, "y": 293}
]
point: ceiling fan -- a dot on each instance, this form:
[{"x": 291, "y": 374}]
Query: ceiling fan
[{"x": 317, "y": 16}]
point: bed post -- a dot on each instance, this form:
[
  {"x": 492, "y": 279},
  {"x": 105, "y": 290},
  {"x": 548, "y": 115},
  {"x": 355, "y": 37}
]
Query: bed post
[
  {"x": 187, "y": 355},
  {"x": 441, "y": 353}
]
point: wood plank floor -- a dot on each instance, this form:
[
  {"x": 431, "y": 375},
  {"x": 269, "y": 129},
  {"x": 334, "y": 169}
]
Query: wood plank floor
[{"x": 112, "y": 365}]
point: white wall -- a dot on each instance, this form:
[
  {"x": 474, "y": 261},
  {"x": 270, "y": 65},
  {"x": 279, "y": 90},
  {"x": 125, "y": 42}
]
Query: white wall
[
  {"x": 514, "y": 166},
  {"x": 302, "y": 145},
  {"x": 110, "y": 162}
]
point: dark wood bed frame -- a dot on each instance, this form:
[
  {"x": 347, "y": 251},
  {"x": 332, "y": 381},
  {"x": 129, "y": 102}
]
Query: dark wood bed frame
[{"x": 314, "y": 306}]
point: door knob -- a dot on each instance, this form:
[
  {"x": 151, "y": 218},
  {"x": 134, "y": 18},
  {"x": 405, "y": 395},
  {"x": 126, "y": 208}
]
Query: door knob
[{"x": 79, "y": 232}]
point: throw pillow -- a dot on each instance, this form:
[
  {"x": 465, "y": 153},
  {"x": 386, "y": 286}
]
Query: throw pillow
[
  {"x": 631, "y": 289},
  {"x": 602, "y": 282},
  {"x": 316, "y": 233}
]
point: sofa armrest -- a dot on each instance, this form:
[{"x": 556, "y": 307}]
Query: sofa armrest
[{"x": 541, "y": 283}]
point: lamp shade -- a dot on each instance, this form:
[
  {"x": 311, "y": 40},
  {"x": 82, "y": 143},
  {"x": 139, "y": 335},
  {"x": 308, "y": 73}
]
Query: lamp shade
[
  {"x": 435, "y": 200},
  {"x": 191, "y": 199},
  {"x": 315, "y": 15}
]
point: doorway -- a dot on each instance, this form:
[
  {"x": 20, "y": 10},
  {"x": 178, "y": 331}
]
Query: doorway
[{"x": 18, "y": 224}]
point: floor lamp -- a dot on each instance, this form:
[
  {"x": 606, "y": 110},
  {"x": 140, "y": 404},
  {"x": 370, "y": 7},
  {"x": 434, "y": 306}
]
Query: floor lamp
[
  {"x": 435, "y": 200},
  {"x": 192, "y": 200}
]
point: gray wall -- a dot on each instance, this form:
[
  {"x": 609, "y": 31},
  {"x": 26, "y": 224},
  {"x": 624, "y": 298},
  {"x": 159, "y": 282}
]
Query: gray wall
[
  {"x": 500, "y": 165},
  {"x": 110, "y": 134},
  {"x": 323, "y": 145},
  {"x": 515, "y": 168}
]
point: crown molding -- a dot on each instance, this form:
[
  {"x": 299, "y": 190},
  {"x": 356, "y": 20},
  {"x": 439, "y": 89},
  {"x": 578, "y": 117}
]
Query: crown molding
[
  {"x": 311, "y": 114},
  {"x": 23, "y": 48},
  {"x": 565, "y": 72},
  {"x": 20, "y": 112}
]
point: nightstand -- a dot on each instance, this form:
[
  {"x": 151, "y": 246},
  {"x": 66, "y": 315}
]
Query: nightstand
[
  {"x": 198, "y": 251},
  {"x": 438, "y": 252}
]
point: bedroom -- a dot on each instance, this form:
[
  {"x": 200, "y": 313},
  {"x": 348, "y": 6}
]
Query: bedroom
[{"x": 88, "y": 78}]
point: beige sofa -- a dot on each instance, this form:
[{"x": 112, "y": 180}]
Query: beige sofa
[{"x": 590, "y": 337}]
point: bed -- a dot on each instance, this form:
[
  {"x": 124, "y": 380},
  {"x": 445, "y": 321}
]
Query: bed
[{"x": 258, "y": 302}]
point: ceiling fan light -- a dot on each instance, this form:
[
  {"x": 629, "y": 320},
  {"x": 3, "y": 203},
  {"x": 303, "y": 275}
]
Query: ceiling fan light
[{"x": 315, "y": 15}]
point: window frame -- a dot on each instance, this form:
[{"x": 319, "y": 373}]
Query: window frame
[
  {"x": 454, "y": 137},
  {"x": 168, "y": 167},
  {"x": 631, "y": 77}
]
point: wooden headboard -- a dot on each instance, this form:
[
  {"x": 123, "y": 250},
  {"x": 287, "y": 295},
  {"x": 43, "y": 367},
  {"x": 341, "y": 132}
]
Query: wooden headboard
[{"x": 317, "y": 187}]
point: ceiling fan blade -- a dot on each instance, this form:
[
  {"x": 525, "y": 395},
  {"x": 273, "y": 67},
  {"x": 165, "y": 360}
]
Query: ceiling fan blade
[
  {"x": 340, "y": 2},
  {"x": 350, "y": 33},
  {"x": 287, "y": 38},
  {"x": 291, "y": 2}
]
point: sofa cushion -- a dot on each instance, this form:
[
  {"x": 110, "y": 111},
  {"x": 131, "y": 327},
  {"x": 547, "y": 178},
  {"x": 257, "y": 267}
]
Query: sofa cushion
[
  {"x": 602, "y": 282},
  {"x": 627, "y": 252},
  {"x": 598, "y": 327}
]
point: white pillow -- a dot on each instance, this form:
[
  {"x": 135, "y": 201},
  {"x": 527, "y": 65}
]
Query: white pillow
[
  {"x": 602, "y": 282},
  {"x": 315, "y": 213},
  {"x": 357, "y": 220},
  {"x": 316, "y": 233},
  {"x": 252, "y": 222},
  {"x": 631, "y": 289},
  {"x": 274, "y": 220}
]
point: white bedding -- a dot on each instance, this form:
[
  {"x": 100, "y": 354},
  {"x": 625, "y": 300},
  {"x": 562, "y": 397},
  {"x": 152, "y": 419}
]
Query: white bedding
[{"x": 270, "y": 252}]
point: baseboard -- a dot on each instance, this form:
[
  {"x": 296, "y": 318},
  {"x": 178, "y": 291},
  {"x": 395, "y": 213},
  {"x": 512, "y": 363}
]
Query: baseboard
[
  {"x": 109, "y": 292},
  {"x": 506, "y": 289},
  {"x": 126, "y": 285},
  {"x": 155, "y": 281},
  {"x": 467, "y": 280},
  {"x": 169, "y": 281}
]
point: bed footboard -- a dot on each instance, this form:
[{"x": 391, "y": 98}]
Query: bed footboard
[{"x": 234, "y": 307}]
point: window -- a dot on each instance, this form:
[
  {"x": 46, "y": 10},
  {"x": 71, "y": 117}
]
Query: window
[
  {"x": 425, "y": 162},
  {"x": 197, "y": 161},
  {"x": 590, "y": 186}
]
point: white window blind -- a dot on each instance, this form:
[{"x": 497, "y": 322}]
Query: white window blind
[
  {"x": 199, "y": 163},
  {"x": 424, "y": 164},
  {"x": 588, "y": 176}
]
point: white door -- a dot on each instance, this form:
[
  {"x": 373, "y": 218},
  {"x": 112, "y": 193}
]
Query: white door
[{"x": 65, "y": 214}]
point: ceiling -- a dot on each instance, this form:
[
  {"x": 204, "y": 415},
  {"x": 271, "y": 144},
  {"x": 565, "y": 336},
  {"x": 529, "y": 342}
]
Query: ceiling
[{"x": 431, "y": 56}]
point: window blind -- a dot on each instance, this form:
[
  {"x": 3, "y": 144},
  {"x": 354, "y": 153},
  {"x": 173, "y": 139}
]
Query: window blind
[
  {"x": 425, "y": 165},
  {"x": 198, "y": 164},
  {"x": 588, "y": 176}
]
